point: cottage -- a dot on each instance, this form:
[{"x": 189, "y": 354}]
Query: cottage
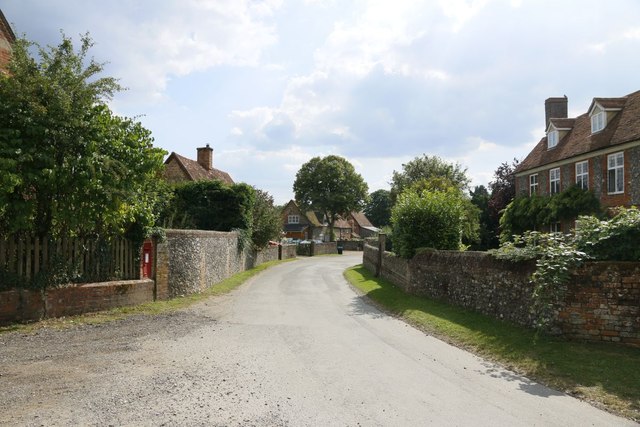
[
  {"x": 180, "y": 169},
  {"x": 301, "y": 225}
]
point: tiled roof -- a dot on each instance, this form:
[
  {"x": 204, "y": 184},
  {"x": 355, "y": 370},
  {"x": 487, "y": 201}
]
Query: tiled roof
[
  {"x": 196, "y": 172},
  {"x": 623, "y": 127},
  {"x": 341, "y": 223},
  {"x": 6, "y": 28},
  {"x": 313, "y": 218},
  {"x": 607, "y": 103},
  {"x": 361, "y": 219},
  {"x": 563, "y": 123}
]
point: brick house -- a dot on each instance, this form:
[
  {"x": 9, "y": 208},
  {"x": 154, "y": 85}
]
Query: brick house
[
  {"x": 301, "y": 225},
  {"x": 7, "y": 37},
  {"x": 179, "y": 169},
  {"x": 598, "y": 151}
]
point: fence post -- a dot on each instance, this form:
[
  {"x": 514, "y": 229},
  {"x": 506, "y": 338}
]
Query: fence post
[
  {"x": 312, "y": 248},
  {"x": 382, "y": 238}
]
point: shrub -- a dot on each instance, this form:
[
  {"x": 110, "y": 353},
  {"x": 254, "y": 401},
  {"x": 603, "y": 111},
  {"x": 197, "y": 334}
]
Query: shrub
[
  {"x": 426, "y": 219},
  {"x": 210, "y": 205}
]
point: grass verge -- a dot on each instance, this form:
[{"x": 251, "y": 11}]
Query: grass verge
[
  {"x": 603, "y": 374},
  {"x": 150, "y": 308}
]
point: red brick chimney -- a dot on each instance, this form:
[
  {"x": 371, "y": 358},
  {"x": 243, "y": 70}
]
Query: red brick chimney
[
  {"x": 555, "y": 108},
  {"x": 205, "y": 157}
]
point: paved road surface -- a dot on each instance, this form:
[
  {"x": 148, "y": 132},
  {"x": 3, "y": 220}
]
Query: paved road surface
[{"x": 295, "y": 346}]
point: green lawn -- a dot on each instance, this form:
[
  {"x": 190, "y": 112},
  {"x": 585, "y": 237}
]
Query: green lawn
[{"x": 607, "y": 375}]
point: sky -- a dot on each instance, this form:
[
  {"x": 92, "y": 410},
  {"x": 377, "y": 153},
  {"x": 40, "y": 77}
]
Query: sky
[{"x": 269, "y": 84}]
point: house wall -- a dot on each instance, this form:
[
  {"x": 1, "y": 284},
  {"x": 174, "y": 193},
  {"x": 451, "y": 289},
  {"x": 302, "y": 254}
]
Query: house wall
[
  {"x": 6, "y": 39},
  {"x": 173, "y": 172},
  {"x": 598, "y": 176},
  {"x": 602, "y": 302}
]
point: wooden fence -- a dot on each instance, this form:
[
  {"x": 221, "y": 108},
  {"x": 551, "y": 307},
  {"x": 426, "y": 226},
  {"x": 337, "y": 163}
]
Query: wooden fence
[{"x": 82, "y": 259}]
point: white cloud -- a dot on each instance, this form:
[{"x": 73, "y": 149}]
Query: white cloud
[{"x": 178, "y": 39}]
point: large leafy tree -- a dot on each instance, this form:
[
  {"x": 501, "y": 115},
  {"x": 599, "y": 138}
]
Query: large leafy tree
[
  {"x": 330, "y": 185},
  {"x": 68, "y": 165},
  {"x": 427, "y": 167},
  {"x": 378, "y": 208}
]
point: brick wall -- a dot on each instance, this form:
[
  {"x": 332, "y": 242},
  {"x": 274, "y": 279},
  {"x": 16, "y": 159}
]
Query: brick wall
[
  {"x": 601, "y": 304},
  {"x": 27, "y": 305}
]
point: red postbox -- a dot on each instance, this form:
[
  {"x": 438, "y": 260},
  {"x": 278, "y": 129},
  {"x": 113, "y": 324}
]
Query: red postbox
[{"x": 147, "y": 258}]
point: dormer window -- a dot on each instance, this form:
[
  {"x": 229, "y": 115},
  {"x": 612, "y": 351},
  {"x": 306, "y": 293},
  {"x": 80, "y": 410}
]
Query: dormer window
[
  {"x": 552, "y": 139},
  {"x": 598, "y": 119}
]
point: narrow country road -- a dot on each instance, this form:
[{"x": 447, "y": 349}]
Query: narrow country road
[{"x": 294, "y": 346}]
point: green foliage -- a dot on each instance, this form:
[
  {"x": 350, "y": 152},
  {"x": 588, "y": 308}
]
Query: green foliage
[
  {"x": 487, "y": 227},
  {"x": 68, "y": 165},
  {"x": 427, "y": 168},
  {"x": 558, "y": 254},
  {"x": 528, "y": 213},
  {"x": 430, "y": 219},
  {"x": 572, "y": 203},
  {"x": 267, "y": 223},
  {"x": 613, "y": 239},
  {"x": 378, "y": 208},
  {"x": 210, "y": 205},
  {"x": 330, "y": 185}
]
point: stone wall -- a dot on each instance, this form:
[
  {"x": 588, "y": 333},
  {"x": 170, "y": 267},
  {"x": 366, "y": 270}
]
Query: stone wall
[
  {"x": 602, "y": 302},
  {"x": 351, "y": 245},
  {"x": 287, "y": 251},
  {"x": 190, "y": 261},
  {"x": 324, "y": 248},
  {"x": 28, "y": 305}
]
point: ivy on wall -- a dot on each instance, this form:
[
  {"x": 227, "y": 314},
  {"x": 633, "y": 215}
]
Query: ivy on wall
[{"x": 530, "y": 212}]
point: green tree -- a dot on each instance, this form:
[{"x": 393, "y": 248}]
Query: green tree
[
  {"x": 427, "y": 168},
  {"x": 330, "y": 185},
  {"x": 488, "y": 225},
  {"x": 426, "y": 219},
  {"x": 68, "y": 165},
  {"x": 378, "y": 208},
  {"x": 503, "y": 191},
  {"x": 267, "y": 223}
]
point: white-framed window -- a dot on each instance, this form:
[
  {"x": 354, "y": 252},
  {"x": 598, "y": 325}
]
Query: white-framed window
[
  {"x": 552, "y": 139},
  {"x": 554, "y": 181},
  {"x": 293, "y": 219},
  {"x": 533, "y": 184},
  {"x": 598, "y": 120},
  {"x": 615, "y": 173},
  {"x": 582, "y": 175},
  {"x": 555, "y": 227}
]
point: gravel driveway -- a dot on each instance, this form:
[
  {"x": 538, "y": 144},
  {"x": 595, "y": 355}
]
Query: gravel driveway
[{"x": 293, "y": 346}]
